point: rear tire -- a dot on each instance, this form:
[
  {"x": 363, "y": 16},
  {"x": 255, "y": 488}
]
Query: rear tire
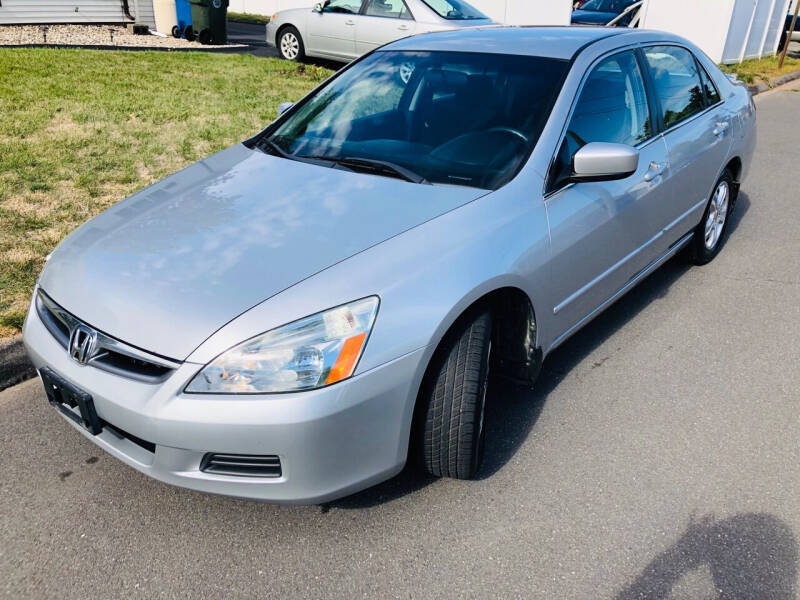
[
  {"x": 454, "y": 400},
  {"x": 290, "y": 45},
  {"x": 709, "y": 235}
]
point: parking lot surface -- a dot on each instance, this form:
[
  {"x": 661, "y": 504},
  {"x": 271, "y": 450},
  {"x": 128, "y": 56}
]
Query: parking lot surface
[{"x": 657, "y": 454}]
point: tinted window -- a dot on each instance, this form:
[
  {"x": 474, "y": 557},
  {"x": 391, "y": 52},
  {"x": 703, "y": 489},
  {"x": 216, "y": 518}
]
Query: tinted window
[
  {"x": 350, "y": 7},
  {"x": 454, "y": 9},
  {"x": 395, "y": 9},
  {"x": 712, "y": 95},
  {"x": 677, "y": 82},
  {"x": 612, "y": 108},
  {"x": 611, "y": 6},
  {"x": 451, "y": 117}
]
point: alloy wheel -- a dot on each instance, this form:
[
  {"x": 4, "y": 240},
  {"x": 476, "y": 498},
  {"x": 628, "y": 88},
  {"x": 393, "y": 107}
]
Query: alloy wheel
[
  {"x": 717, "y": 215},
  {"x": 290, "y": 45}
]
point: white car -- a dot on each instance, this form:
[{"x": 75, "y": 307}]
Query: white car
[{"x": 346, "y": 29}]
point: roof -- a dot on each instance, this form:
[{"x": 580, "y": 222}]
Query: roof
[{"x": 555, "y": 42}]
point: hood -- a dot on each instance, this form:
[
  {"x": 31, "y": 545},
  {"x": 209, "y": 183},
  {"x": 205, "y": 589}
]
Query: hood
[
  {"x": 592, "y": 17},
  {"x": 167, "y": 267}
]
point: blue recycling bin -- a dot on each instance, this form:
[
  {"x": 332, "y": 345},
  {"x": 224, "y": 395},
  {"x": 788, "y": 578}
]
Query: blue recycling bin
[{"x": 183, "y": 12}]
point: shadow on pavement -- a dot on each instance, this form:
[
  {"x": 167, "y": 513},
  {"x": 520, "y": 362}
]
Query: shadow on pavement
[
  {"x": 748, "y": 556},
  {"x": 515, "y": 409}
]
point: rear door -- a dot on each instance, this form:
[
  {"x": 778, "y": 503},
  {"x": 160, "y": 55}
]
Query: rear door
[
  {"x": 697, "y": 128},
  {"x": 602, "y": 233},
  {"x": 332, "y": 32},
  {"x": 383, "y": 21}
]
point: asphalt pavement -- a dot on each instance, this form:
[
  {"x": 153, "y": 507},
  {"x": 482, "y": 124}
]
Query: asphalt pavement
[{"x": 658, "y": 456}]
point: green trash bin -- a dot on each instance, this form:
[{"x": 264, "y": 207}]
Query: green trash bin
[{"x": 210, "y": 21}]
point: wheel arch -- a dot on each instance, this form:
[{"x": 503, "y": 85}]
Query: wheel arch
[
  {"x": 283, "y": 28},
  {"x": 515, "y": 352}
]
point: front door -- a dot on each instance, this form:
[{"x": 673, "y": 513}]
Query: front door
[
  {"x": 603, "y": 233},
  {"x": 332, "y": 32},
  {"x": 383, "y": 21}
]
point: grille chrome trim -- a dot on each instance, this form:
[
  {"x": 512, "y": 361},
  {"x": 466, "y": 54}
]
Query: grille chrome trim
[{"x": 111, "y": 354}]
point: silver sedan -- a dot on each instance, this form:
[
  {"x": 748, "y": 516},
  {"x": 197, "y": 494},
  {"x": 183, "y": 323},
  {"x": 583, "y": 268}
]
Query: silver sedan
[
  {"x": 294, "y": 318},
  {"x": 345, "y": 29}
]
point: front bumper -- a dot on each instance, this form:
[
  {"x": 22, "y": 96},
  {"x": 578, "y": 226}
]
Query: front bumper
[
  {"x": 272, "y": 30},
  {"x": 332, "y": 441}
]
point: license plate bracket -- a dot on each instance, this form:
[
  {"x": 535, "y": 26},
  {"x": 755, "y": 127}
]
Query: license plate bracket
[{"x": 64, "y": 396}]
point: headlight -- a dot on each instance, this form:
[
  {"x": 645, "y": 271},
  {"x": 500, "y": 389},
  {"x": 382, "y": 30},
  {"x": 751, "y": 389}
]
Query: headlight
[{"x": 310, "y": 353}]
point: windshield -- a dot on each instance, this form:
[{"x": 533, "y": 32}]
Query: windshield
[
  {"x": 454, "y": 9},
  {"x": 446, "y": 117},
  {"x": 609, "y": 6}
]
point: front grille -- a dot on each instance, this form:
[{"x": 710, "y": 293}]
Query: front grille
[
  {"x": 111, "y": 354},
  {"x": 241, "y": 465}
]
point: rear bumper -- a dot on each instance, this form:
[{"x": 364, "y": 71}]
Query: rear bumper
[{"x": 331, "y": 442}]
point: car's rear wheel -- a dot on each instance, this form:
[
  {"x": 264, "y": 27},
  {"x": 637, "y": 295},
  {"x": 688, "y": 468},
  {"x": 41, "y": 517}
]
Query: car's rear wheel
[
  {"x": 453, "y": 400},
  {"x": 708, "y": 236},
  {"x": 290, "y": 44}
]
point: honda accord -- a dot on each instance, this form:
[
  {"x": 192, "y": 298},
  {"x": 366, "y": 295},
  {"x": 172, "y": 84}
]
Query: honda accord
[{"x": 294, "y": 318}]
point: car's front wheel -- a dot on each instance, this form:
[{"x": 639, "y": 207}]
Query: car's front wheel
[
  {"x": 290, "y": 44},
  {"x": 708, "y": 236},
  {"x": 453, "y": 400}
]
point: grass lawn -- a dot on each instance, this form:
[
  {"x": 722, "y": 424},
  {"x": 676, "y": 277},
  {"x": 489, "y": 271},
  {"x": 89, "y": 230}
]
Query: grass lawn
[
  {"x": 82, "y": 129},
  {"x": 763, "y": 69},
  {"x": 247, "y": 18}
]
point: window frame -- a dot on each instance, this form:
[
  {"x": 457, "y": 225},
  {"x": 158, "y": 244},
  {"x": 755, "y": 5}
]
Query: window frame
[
  {"x": 551, "y": 188},
  {"x": 656, "y": 112},
  {"x": 365, "y": 4},
  {"x": 360, "y": 10},
  {"x": 662, "y": 127}
]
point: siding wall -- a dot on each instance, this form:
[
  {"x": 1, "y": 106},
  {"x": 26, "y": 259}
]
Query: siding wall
[{"x": 18, "y": 12}]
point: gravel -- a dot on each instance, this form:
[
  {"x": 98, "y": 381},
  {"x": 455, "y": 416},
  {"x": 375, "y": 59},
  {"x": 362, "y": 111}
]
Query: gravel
[{"x": 90, "y": 35}]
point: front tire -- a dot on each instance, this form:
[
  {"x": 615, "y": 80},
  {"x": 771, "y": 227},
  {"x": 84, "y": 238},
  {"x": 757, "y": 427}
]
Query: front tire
[
  {"x": 290, "y": 45},
  {"x": 709, "y": 234},
  {"x": 454, "y": 400}
]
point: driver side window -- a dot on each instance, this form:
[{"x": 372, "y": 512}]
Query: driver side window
[
  {"x": 351, "y": 7},
  {"x": 612, "y": 107}
]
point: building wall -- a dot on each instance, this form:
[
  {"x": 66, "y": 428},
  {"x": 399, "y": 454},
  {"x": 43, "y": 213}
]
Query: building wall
[
  {"x": 268, "y": 7},
  {"x": 18, "y": 12}
]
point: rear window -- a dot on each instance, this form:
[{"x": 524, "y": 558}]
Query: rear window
[{"x": 454, "y": 9}]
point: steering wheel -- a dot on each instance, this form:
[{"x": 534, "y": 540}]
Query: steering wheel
[{"x": 509, "y": 131}]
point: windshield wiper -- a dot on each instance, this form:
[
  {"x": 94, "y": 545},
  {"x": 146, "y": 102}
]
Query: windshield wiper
[
  {"x": 380, "y": 167},
  {"x": 268, "y": 144}
]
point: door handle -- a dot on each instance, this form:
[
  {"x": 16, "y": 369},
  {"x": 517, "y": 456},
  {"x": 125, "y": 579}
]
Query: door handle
[
  {"x": 403, "y": 28},
  {"x": 721, "y": 128},
  {"x": 655, "y": 170},
  {"x": 350, "y": 22}
]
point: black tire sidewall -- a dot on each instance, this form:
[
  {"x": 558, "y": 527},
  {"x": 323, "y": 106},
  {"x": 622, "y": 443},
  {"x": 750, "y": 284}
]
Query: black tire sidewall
[{"x": 423, "y": 425}]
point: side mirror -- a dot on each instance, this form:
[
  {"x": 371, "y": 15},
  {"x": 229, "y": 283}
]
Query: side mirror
[
  {"x": 319, "y": 6},
  {"x": 599, "y": 161},
  {"x": 284, "y": 106}
]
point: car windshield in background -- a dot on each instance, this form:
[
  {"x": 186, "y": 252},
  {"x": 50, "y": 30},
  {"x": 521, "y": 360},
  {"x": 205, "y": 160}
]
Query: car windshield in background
[
  {"x": 609, "y": 6},
  {"x": 432, "y": 117},
  {"x": 454, "y": 9}
]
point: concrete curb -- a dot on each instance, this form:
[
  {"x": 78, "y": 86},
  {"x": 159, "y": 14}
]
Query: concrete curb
[
  {"x": 14, "y": 364},
  {"x": 762, "y": 87}
]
